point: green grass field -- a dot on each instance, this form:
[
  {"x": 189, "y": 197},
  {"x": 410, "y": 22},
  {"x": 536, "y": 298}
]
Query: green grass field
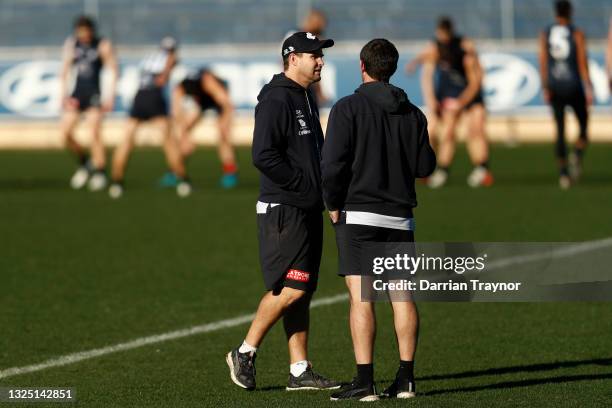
[{"x": 79, "y": 271}]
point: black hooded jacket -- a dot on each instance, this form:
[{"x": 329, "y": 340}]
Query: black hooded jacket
[
  {"x": 287, "y": 144},
  {"x": 375, "y": 146}
]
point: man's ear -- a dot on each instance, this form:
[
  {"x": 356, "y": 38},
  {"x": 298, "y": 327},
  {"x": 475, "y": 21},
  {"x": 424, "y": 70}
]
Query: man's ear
[{"x": 362, "y": 66}]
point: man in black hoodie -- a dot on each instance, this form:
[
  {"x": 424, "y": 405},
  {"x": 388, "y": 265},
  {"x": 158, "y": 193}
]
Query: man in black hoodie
[
  {"x": 287, "y": 143},
  {"x": 376, "y": 144}
]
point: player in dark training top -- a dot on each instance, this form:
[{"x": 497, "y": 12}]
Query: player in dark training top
[
  {"x": 209, "y": 92},
  {"x": 566, "y": 82},
  {"x": 609, "y": 56},
  {"x": 86, "y": 54},
  {"x": 455, "y": 90},
  {"x": 150, "y": 105}
]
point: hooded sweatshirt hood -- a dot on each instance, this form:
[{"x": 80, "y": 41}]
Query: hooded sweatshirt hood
[
  {"x": 390, "y": 98},
  {"x": 279, "y": 81}
]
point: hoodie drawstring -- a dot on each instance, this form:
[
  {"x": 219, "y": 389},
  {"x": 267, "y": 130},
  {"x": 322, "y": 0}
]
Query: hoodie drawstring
[{"x": 312, "y": 121}]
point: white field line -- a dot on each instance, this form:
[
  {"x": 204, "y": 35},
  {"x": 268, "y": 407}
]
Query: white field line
[
  {"x": 239, "y": 320},
  {"x": 145, "y": 341},
  {"x": 563, "y": 252}
]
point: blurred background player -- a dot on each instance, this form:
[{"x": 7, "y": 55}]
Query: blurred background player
[
  {"x": 315, "y": 23},
  {"x": 456, "y": 90},
  {"x": 609, "y": 55},
  {"x": 209, "y": 92},
  {"x": 150, "y": 105},
  {"x": 87, "y": 54},
  {"x": 566, "y": 82}
]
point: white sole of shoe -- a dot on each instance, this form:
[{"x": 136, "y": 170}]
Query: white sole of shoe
[
  {"x": 78, "y": 181},
  {"x": 115, "y": 193},
  {"x": 183, "y": 190},
  {"x": 230, "y": 364},
  {"x": 406, "y": 395},
  {"x": 369, "y": 398},
  {"x": 311, "y": 388},
  {"x": 97, "y": 184},
  {"x": 565, "y": 183}
]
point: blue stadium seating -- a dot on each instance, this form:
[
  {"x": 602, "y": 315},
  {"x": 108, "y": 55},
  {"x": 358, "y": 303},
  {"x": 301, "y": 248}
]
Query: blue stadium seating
[{"x": 137, "y": 22}]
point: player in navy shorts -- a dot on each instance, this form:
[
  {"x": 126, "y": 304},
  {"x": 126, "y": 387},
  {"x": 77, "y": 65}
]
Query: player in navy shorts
[{"x": 84, "y": 56}]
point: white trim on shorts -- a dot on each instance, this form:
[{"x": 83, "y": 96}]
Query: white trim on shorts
[{"x": 380, "y": 220}]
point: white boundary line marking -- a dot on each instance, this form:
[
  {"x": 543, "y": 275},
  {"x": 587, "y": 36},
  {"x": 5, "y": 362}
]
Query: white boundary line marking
[
  {"x": 239, "y": 320},
  {"x": 145, "y": 341},
  {"x": 563, "y": 252}
]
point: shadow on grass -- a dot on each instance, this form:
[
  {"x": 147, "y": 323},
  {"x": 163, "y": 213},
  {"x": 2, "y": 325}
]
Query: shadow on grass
[
  {"x": 271, "y": 388},
  {"x": 519, "y": 369},
  {"x": 522, "y": 383},
  {"x": 34, "y": 184},
  {"x": 504, "y": 370}
]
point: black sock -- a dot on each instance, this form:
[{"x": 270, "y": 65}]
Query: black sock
[
  {"x": 579, "y": 151},
  {"x": 564, "y": 171},
  {"x": 484, "y": 164},
  {"x": 445, "y": 169},
  {"x": 365, "y": 374},
  {"x": 83, "y": 159},
  {"x": 406, "y": 370}
]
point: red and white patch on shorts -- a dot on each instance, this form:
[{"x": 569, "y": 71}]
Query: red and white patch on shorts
[{"x": 297, "y": 275}]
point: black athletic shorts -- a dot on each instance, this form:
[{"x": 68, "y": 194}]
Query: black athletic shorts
[
  {"x": 454, "y": 92},
  {"x": 477, "y": 100},
  {"x": 351, "y": 237},
  {"x": 87, "y": 97},
  {"x": 193, "y": 88},
  {"x": 568, "y": 96},
  {"x": 290, "y": 247},
  {"x": 149, "y": 104},
  {"x": 206, "y": 102}
]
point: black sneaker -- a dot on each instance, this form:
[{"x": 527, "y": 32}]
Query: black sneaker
[
  {"x": 242, "y": 368},
  {"x": 401, "y": 388},
  {"x": 354, "y": 391},
  {"x": 309, "y": 380}
]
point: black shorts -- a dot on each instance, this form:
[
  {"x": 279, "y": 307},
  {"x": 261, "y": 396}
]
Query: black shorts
[
  {"x": 87, "y": 97},
  {"x": 568, "y": 96},
  {"x": 149, "y": 104},
  {"x": 351, "y": 237},
  {"x": 206, "y": 102},
  {"x": 477, "y": 100},
  {"x": 290, "y": 247},
  {"x": 454, "y": 94}
]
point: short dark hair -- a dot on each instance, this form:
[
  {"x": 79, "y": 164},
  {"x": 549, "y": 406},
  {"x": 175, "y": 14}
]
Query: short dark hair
[
  {"x": 85, "y": 21},
  {"x": 563, "y": 8},
  {"x": 379, "y": 58},
  {"x": 445, "y": 23},
  {"x": 286, "y": 59}
]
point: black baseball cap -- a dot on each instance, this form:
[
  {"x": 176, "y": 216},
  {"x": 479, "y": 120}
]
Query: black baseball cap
[{"x": 304, "y": 42}]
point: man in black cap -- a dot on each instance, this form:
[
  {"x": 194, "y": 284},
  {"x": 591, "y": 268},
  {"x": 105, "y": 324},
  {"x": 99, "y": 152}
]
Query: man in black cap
[{"x": 287, "y": 144}]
